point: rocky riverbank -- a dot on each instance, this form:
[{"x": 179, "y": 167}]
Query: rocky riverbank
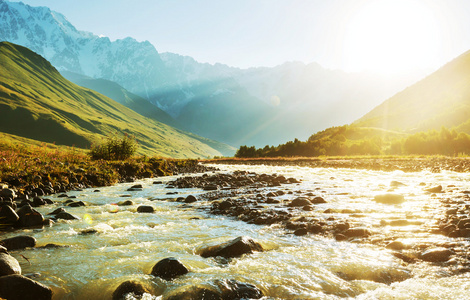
[
  {"x": 273, "y": 200},
  {"x": 405, "y": 163},
  {"x": 20, "y": 195}
]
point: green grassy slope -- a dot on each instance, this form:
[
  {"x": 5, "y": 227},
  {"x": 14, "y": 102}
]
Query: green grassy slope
[
  {"x": 37, "y": 102},
  {"x": 119, "y": 94},
  {"x": 441, "y": 99}
]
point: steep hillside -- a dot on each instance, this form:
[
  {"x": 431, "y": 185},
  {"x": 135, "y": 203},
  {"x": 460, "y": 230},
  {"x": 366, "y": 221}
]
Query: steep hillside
[
  {"x": 37, "y": 102},
  {"x": 441, "y": 99},
  {"x": 119, "y": 94}
]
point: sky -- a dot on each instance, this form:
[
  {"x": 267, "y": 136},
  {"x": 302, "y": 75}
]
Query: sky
[{"x": 384, "y": 36}]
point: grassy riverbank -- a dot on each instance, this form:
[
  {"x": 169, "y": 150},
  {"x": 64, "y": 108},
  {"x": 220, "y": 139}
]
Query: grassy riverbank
[
  {"x": 23, "y": 164},
  {"x": 378, "y": 163}
]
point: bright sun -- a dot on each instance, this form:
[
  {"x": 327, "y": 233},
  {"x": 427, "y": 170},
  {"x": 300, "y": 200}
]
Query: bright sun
[{"x": 391, "y": 36}]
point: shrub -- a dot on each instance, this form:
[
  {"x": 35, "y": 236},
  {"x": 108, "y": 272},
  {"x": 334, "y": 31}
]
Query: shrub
[{"x": 114, "y": 148}]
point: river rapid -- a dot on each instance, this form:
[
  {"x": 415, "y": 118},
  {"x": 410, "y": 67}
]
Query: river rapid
[{"x": 127, "y": 244}]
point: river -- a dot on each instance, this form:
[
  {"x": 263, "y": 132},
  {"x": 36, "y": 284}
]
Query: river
[{"x": 127, "y": 244}]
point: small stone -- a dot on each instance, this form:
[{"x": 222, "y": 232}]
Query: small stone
[
  {"x": 190, "y": 199},
  {"x": 389, "y": 199},
  {"x": 145, "y": 209}
]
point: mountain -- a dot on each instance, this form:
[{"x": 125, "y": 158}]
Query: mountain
[
  {"x": 121, "y": 95},
  {"x": 37, "y": 102},
  {"x": 440, "y": 99},
  {"x": 256, "y": 106}
]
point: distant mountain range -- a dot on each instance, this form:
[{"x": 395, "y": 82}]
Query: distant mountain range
[
  {"x": 255, "y": 106},
  {"x": 36, "y": 102}
]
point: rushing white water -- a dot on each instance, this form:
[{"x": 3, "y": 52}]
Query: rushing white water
[{"x": 128, "y": 244}]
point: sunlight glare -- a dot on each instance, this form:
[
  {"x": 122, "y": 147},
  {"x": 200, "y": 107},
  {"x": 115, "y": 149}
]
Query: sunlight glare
[{"x": 391, "y": 36}]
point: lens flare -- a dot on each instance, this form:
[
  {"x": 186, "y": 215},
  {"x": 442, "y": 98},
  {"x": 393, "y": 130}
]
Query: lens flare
[
  {"x": 113, "y": 208},
  {"x": 88, "y": 219}
]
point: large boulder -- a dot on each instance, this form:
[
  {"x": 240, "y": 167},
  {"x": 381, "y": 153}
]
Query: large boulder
[
  {"x": 225, "y": 289},
  {"x": 18, "y": 242},
  {"x": 7, "y": 215},
  {"x": 389, "y": 199},
  {"x": 17, "y": 287},
  {"x": 129, "y": 287},
  {"x": 8, "y": 265},
  {"x": 169, "y": 268},
  {"x": 8, "y": 193},
  {"x": 234, "y": 290},
  {"x": 29, "y": 217},
  {"x": 436, "y": 255},
  {"x": 234, "y": 248}
]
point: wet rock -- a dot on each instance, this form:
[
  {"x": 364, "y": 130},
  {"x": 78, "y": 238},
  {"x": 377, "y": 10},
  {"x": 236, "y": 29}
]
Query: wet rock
[
  {"x": 357, "y": 232},
  {"x": 18, "y": 242},
  {"x": 29, "y": 217},
  {"x": 145, "y": 209},
  {"x": 234, "y": 290},
  {"x": 169, "y": 268},
  {"x": 37, "y": 201},
  {"x": 299, "y": 202},
  {"x": 394, "y": 183},
  {"x": 126, "y": 203},
  {"x": 210, "y": 187},
  {"x": 234, "y": 248},
  {"x": 389, "y": 199},
  {"x": 77, "y": 204},
  {"x": 225, "y": 289},
  {"x": 66, "y": 216},
  {"x": 17, "y": 287},
  {"x": 88, "y": 231},
  {"x": 301, "y": 232},
  {"x": 8, "y": 216},
  {"x": 8, "y": 265},
  {"x": 190, "y": 199},
  {"x": 436, "y": 255},
  {"x": 8, "y": 193},
  {"x": 436, "y": 189},
  {"x": 396, "y": 245},
  {"x": 340, "y": 237},
  {"x": 195, "y": 292},
  {"x": 135, "y": 288},
  {"x": 318, "y": 200},
  {"x": 57, "y": 211}
]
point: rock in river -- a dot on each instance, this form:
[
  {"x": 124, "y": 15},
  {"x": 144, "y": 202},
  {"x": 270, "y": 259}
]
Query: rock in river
[
  {"x": 18, "y": 242},
  {"x": 8, "y": 215},
  {"x": 8, "y": 265},
  {"x": 234, "y": 248},
  {"x": 129, "y": 287},
  {"x": 145, "y": 209},
  {"x": 29, "y": 217},
  {"x": 389, "y": 199},
  {"x": 190, "y": 199},
  {"x": 169, "y": 268},
  {"x": 436, "y": 255},
  {"x": 17, "y": 287}
]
